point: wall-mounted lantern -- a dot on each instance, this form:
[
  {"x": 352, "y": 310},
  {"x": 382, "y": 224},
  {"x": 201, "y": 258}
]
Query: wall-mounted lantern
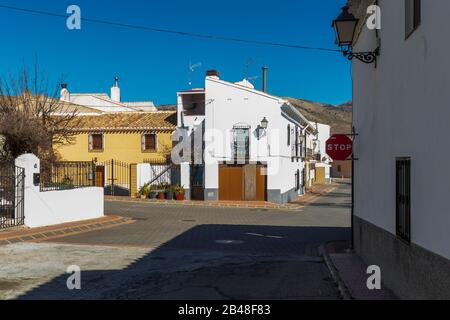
[
  {"x": 264, "y": 123},
  {"x": 345, "y": 26}
]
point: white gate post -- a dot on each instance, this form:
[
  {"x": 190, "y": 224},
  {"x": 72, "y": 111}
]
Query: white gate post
[{"x": 32, "y": 165}]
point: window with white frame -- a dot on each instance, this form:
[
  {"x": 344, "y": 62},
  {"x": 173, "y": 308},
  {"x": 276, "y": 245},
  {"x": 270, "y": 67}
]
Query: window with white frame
[
  {"x": 241, "y": 143},
  {"x": 96, "y": 142},
  {"x": 149, "y": 142}
]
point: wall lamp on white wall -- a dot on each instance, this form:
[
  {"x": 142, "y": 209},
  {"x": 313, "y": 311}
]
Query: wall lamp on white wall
[
  {"x": 345, "y": 26},
  {"x": 262, "y": 127}
]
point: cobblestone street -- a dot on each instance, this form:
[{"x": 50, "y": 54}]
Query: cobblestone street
[{"x": 184, "y": 252}]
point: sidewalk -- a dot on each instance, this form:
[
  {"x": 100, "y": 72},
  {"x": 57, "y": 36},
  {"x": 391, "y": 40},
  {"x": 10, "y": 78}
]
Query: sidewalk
[
  {"x": 62, "y": 230},
  {"x": 318, "y": 191},
  {"x": 349, "y": 272}
]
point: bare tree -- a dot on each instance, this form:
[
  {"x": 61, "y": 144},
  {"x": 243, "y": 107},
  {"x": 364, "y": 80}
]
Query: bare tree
[{"x": 32, "y": 118}]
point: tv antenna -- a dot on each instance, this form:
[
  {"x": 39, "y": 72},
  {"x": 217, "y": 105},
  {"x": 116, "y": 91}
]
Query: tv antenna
[
  {"x": 191, "y": 70},
  {"x": 247, "y": 65}
]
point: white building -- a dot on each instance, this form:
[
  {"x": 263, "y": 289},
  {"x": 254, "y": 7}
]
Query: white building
[
  {"x": 254, "y": 143},
  {"x": 401, "y": 116},
  {"x": 105, "y": 103}
]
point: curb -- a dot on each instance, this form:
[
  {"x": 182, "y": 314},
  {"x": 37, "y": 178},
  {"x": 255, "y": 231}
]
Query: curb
[
  {"x": 63, "y": 230},
  {"x": 343, "y": 290},
  {"x": 205, "y": 204}
]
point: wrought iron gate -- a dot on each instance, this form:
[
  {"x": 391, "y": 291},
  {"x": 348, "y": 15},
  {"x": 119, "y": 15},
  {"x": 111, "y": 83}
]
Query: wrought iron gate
[
  {"x": 12, "y": 187},
  {"x": 115, "y": 177}
]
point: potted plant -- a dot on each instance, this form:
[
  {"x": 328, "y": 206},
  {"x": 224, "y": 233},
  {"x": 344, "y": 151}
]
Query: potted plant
[
  {"x": 161, "y": 192},
  {"x": 169, "y": 192},
  {"x": 179, "y": 193},
  {"x": 144, "y": 191},
  {"x": 153, "y": 192}
]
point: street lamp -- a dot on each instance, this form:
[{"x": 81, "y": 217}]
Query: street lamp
[
  {"x": 345, "y": 26},
  {"x": 264, "y": 123}
]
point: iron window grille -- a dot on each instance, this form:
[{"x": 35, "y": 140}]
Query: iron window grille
[
  {"x": 403, "y": 198},
  {"x": 241, "y": 144}
]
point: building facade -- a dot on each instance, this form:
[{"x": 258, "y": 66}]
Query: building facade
[
  {"x": 131, "y": 137},
  {"x": 253, "y": 144},
  {"x": 401, "y": 114}
]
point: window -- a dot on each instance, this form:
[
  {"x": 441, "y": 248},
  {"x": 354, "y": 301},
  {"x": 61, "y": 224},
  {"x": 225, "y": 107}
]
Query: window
[
  {"x": 96, "y": 142},
  {"x": 403, "y": 198},
  {"x": 289, "y": 135},
  {"x": 297, "y": 180},
  {"x": 297, "y": 144},
  {"x": 242, "y": 144},
  {"x": 149, "y": 142},
  {"x": 413, "y": 15},
  {"x": 339, "y": 168}
]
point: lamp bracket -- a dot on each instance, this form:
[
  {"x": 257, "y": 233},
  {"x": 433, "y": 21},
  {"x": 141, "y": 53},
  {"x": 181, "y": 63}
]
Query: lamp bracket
[{"x": 366, "y": 57}]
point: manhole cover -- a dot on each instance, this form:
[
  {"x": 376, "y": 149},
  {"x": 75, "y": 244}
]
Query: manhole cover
[
  {"x": 188, "y": 220},
  {"x": 229, "y": 242}
]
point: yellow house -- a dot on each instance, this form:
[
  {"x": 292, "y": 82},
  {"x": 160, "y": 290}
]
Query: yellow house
[{"x": 129, "y": 137}]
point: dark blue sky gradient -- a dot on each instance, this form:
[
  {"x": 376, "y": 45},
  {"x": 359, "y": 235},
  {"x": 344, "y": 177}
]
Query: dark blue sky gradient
[{"x": 155, "y": 65}]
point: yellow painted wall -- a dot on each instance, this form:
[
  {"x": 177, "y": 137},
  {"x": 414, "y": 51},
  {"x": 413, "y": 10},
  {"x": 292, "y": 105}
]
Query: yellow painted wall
[
  {"x": 346, "y": 169},
  {"x": 120, "y": 146}
]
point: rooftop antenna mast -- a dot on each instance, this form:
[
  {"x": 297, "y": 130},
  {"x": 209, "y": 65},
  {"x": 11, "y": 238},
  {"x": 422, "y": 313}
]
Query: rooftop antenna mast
[
  {"x": 191, "y": 70},
  {"x": 247, "y": 65}
]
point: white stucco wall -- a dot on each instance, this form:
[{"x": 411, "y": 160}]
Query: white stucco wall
[
  {"x": 147, "y": 172},
  {"x": 57, "y": 207},
  {"x": 401, "y": 108},
  {"x": 227, "y": 106}
]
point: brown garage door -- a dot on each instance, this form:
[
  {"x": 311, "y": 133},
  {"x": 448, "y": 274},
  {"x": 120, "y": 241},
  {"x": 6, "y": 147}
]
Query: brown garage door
[
  {"x": 261, "y": 183},
  {"x": 231, "y": 183},
  {"x": 242, "y": 183}
]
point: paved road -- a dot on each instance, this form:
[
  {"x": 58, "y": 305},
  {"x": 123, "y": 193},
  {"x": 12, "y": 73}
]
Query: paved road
[{"x": 177, "y": 252}]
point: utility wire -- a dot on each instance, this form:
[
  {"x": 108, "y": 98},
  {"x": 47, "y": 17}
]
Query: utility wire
[{"x": 176, "y": 32}]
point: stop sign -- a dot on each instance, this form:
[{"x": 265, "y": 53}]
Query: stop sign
[{"x": 339, "y": 147}]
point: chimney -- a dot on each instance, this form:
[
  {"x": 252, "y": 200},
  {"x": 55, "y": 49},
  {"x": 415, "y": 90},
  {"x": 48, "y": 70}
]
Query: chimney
[
  {"x": 213, "y": 73},
  {"x": 65, "y": 94},
  {"x": 115, "y": 90},
  {"x": 264, "y": 78}
]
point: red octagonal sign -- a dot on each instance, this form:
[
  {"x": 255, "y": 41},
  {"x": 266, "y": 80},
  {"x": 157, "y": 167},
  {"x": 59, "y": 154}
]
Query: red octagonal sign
[{"x": 339, "y": 147}]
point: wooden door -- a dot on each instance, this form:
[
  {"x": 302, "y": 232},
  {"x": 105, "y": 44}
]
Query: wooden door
[
  {"x": 100, "y": 176},
  {"x": 261, "y": 183},
  {"x": 231, "y": 183}
]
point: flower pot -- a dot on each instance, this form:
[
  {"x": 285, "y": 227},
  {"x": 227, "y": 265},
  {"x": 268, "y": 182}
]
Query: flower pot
[
  {"x": 179, "y": 196},
  {"x": 153, "y": 195},
  {"x": 169, "y": 195},
  {"x": 161, "y": 196},
  {"x": 143, "y": 196}
]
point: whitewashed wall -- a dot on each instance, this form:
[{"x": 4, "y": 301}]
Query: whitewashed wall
[
  {"x": 229, "y": 105},
  {"x": 57, "y": 207},
  {"x": 401, "y": 108},
  {"x": 146, "y": 173}
]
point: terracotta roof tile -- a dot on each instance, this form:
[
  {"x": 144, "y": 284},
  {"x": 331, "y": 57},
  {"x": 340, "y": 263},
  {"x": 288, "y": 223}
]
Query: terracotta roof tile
[{"x": 128, "y": 121}]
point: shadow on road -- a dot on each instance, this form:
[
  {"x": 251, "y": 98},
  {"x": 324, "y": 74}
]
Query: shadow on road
[{"x": 215, "y": 262}]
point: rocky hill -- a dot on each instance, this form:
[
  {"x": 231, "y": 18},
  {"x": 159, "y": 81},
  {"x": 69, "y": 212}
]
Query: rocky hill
[{"x": 338, "y": 117}]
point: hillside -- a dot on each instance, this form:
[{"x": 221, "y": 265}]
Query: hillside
[{"x": 338, "y": 117}]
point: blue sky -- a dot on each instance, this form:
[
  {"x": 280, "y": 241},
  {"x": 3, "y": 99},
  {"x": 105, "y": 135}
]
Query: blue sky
[{"x": 154, "y": 66}]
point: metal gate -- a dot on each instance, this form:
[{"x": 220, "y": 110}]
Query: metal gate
[
  {"x": 12, "y": 187},
  {"x": 115, "y": 177}
]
